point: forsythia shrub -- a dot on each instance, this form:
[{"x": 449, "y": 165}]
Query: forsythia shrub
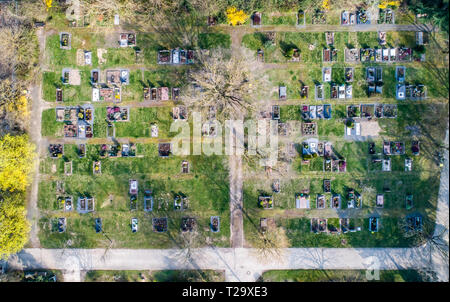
[
  {"x": 236, "y": 17},
  {"x": 48, "y": 3},
  {"x": 14, "y": 226},
  {"x": 385, "y": 3},
  {"x": 326, "y": 4},
  {"x": 16, "y": 161},
  {"x": 20, "y": 107}
]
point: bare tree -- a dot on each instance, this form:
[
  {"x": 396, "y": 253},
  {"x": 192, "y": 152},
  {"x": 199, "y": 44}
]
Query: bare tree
[
  {"x": 430, "y": 235},
  {"x": 270, "y": 244},
  {"x": 227, "y": 83}
]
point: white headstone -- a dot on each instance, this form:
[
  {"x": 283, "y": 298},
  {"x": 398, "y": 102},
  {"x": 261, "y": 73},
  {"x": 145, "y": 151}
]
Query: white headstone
[{"x": 116, "y": 20}]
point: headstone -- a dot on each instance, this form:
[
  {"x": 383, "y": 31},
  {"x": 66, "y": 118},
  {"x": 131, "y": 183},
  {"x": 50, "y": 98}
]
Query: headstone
[{"x": 116, "y": 20}]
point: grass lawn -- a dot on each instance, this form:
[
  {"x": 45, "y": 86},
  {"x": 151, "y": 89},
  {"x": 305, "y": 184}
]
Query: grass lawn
[
  {"x": 155, "y": 276},
  {"x": 33, "y": 276},
  {"x": 339, "y": 276},
  {"x": 207, "y": 193}
]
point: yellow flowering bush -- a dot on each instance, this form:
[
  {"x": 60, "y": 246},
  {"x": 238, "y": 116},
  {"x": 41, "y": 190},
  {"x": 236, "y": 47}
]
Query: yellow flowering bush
[
  {"x": 326, "y": 5},
  {"x": 236, "y": 17},
  {"x": 48, "y": 3},
  {"x": 386, "y": 3}
]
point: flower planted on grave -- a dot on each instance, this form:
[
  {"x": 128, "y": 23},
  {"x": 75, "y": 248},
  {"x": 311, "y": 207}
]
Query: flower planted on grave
[{"x": 350, "y": 123}]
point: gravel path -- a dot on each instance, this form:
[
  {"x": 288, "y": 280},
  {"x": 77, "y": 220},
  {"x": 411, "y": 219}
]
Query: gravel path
[{"x": 35, "y": 135}]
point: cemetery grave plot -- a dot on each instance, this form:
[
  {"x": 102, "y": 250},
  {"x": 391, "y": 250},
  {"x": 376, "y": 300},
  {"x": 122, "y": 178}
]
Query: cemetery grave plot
[
  {"x": 336, "y": 201},
  {"x": 265, "y": 202},
  {"x": 386, "y": 16},
  {"x": 176, "y": 56},
  {"x": 65, "y": 203},
  {"x": 413, "y": 223},
  {"x": 56, "y": 150},
  {"x": 302, "y": 200},
  {"x": 180, "y": 113},
  {"x": 346, "y": 18},
  {"x": 148, "y": 201},
  {"x": 97, "y": 167},
  {"x": 354, "y": 199},
  {"x": 65, "y": 40},
  {"x": 276, "y": 186},
  {"x": 351, "y": 55},
  {"x": 309, "y": 129},
  {"x": 164, "y": 149},
  {"x": 188, "y": 224},
  {"x": 256, "y": 19},
  {"x": 333, "y": 226},
  {"x": 409, "y": 202},
  {"x": 362, "y": 17},
  {"x": 373, "y": 224},
  {"x": 300, "y": 18},
  {"x": 134, "y": 225},
  {"x": 319, "y": 92},
  {"x": 98, "y": 225},
  {"x": 318, "y": 225},
  {"x": 367, "y": 111},
  {"x": 117, "y": 114},
  {"x": 85, "y": 204},
  {"x": 321, "y": 201},
  {"x": 319, "y": 17},
  {"x": 78, "y": 121},
  {"x": 160, "y": 224},
  {"x": 127, "y": 39},
  {"x": 215, "y": 224},
  {"x": 330, "y": 55}
]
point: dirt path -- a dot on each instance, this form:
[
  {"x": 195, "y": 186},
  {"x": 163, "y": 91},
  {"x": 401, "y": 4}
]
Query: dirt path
[
  {"x": 236, "y": 179},
  {"x": 37, "y": 106}
]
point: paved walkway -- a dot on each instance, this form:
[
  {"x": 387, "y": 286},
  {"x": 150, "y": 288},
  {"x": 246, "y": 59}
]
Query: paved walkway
[
  {"x": 440, "y": 264},
  {"x": 239, "y": 264}
]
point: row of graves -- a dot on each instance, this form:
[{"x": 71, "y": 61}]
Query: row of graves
[
  {"x": 312, "y": 112},
  {"x": 378, "y": 55},
  {"x": 393, "y": 148},
  {"x": 324, "y": 225},
  {"x": 85, "y": 204},
  {"x": 117, "y": 114},
  {"x": 323, "y": 201},
  {"x": 160, "y": 224},
  {"x": 329, "y": 55},
  {"x": 124, "y": 40},
  {"x": 312, "y": 148},
  {"x": 374, "y": 79},
  {"x": 359, "y": 17},
  {"x": 161, "y": 93},
  {"x": 337, "y": 91},
  {"x": 78, "y": 121},
  {"x": 386, "y": 16},
  {"x": 110, "y": 90},
  {"x": 405, "y": 90},
  {"x": 117, "y": 150},
  {"x": 372, "y": 111},
  {"x": 176, "y": 56}
]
